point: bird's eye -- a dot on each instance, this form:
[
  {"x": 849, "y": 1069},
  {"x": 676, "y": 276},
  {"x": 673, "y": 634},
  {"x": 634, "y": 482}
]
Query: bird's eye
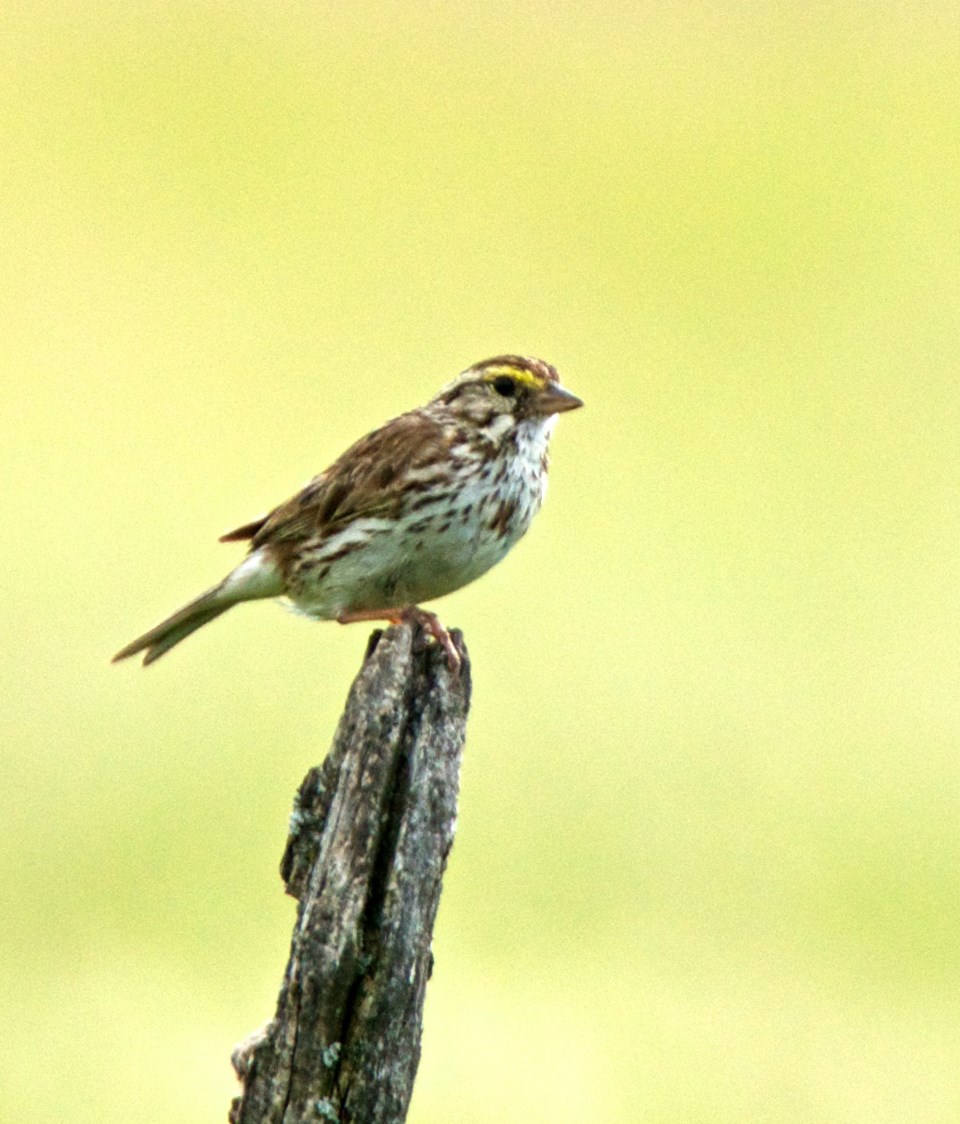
[{"x": 505, "y": 386}]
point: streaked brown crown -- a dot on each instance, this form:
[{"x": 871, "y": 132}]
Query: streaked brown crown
[{"x": 539, "y": 371}]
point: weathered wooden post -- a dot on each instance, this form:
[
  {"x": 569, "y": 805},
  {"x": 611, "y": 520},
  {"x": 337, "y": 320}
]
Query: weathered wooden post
[{"x": 369, "y": 838}]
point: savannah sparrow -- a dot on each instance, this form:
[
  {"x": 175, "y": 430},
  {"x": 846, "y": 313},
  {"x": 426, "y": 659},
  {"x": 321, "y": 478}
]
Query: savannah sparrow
[{"x": 414, "y": 510}]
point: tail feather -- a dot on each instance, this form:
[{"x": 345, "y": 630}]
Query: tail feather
[
  {"x": 178, "y": 627},
  {"x": 256, "y": 577}
]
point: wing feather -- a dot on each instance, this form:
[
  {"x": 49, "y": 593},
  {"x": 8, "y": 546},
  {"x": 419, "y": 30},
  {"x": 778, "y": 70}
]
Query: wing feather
[
  {"x": 247, "y": 531},
  {"x": 368, "y": 480}
]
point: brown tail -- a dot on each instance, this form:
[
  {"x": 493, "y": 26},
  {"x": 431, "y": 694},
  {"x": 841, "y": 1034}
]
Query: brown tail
[
  {"x": 257, "y": 576},
  {"x": 170, "y": 632}
]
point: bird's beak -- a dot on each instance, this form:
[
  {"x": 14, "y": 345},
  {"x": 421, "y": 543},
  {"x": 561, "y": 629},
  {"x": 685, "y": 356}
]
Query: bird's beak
[{"x": 554, "y": 399}]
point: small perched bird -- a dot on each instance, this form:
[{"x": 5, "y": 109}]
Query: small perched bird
[{"x": 416, "y": 509}]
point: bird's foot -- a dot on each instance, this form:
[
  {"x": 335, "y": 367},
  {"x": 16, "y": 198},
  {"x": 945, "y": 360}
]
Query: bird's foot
[
  {"x": 429, "y": 622},
  {"x": 433, "y": 626}
]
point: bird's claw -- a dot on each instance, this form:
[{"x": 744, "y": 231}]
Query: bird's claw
[
  {"x": 423, "y": 619},
  {"x": 431, "y": 624}
]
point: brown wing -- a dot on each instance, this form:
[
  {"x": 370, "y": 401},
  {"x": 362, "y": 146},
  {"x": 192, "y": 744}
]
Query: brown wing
[
  {"x": 367, "y": 480},
  {"x": 247, "y": 531}
]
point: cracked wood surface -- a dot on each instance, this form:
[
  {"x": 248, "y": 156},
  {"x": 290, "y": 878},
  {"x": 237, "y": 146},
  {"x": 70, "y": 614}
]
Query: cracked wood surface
[{"x": 369, "y": 837}]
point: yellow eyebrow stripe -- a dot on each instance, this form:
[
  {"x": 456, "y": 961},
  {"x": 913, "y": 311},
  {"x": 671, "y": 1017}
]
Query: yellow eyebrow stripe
[{"x": 521, "y": 374}]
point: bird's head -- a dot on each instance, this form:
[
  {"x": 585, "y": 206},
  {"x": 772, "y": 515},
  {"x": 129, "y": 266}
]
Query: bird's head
[{"x": 511, "y": 387}]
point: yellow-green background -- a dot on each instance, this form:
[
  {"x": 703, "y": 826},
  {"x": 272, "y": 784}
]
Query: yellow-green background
[{"x": 707, "y": 866}]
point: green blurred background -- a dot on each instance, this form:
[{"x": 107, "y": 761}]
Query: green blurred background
[{"x": 707, "y": 866}]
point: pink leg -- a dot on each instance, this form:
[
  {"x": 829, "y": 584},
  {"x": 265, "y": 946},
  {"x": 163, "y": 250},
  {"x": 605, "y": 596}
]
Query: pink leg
[
  {"x": 350, "y": 616},
  {"x": 428, "y": 621}
]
